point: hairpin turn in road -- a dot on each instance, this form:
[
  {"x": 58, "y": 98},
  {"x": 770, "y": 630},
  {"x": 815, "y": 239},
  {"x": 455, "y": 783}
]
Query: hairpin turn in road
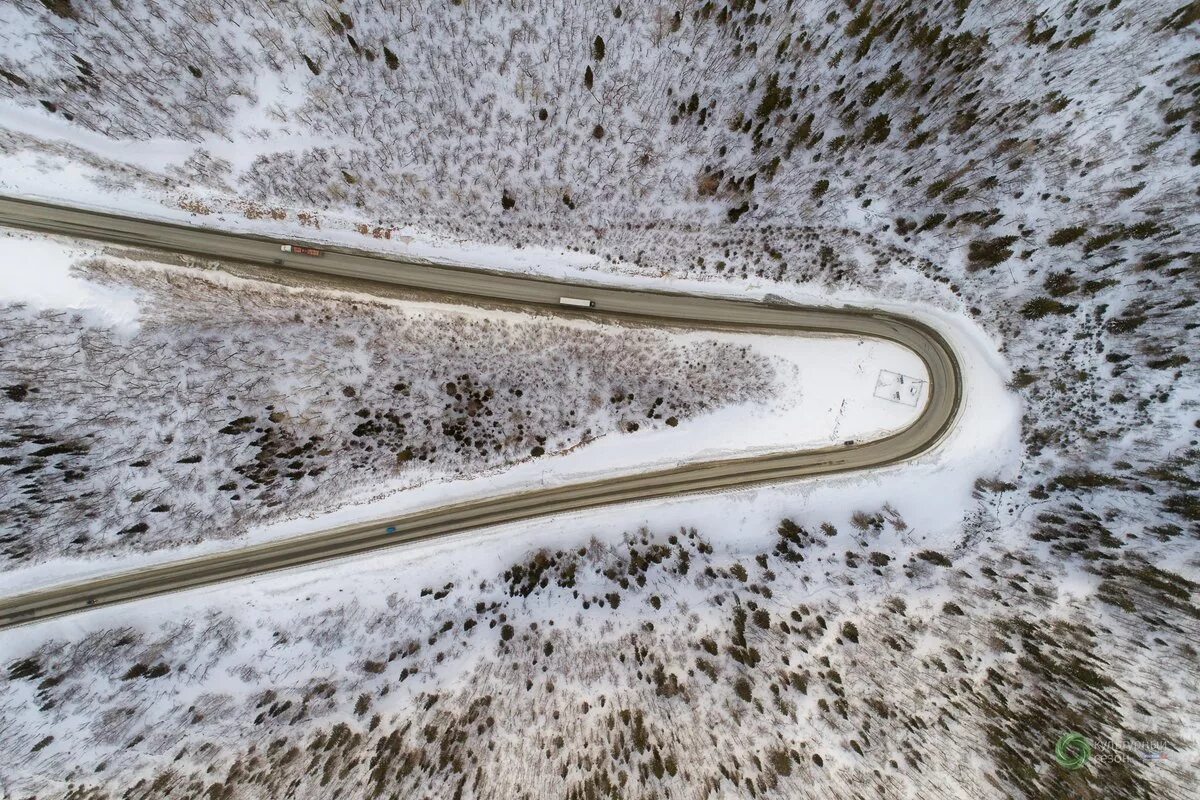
[{"x": 632, "y": 305}]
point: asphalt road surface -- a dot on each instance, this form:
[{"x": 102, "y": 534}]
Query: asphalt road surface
[{"x": 473, "y": 285}]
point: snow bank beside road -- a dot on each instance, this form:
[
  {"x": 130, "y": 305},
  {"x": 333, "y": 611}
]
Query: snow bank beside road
[{"x": 37, "y": 272}]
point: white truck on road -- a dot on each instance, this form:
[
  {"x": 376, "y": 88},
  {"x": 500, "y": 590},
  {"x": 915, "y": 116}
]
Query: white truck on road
[{"x": 576, "y": 302}]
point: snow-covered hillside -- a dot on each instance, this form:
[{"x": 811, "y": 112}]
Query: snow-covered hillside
[{"x": 226, "y": 403}]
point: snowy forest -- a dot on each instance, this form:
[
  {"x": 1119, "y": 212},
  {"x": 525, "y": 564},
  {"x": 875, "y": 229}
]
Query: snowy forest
[{"x": 1031, "y": 166}]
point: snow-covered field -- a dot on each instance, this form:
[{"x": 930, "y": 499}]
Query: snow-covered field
[{"x": 37, "y": 275}]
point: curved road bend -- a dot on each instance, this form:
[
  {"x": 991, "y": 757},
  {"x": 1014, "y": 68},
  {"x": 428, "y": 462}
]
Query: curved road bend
[{"x": 659, "y": 308}]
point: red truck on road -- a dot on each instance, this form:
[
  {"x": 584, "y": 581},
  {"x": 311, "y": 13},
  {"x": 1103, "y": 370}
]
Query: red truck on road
[{"x": 303, "y": 251}]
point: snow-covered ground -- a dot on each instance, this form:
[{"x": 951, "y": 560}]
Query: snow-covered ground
[{"x": 36, "y": 272}]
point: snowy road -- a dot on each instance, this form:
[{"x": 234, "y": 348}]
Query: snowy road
[{"x": 652, "y": 307}]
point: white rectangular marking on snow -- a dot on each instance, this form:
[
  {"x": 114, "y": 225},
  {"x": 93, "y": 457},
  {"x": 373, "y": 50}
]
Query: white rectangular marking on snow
[{"x": 897, "y": 388}]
